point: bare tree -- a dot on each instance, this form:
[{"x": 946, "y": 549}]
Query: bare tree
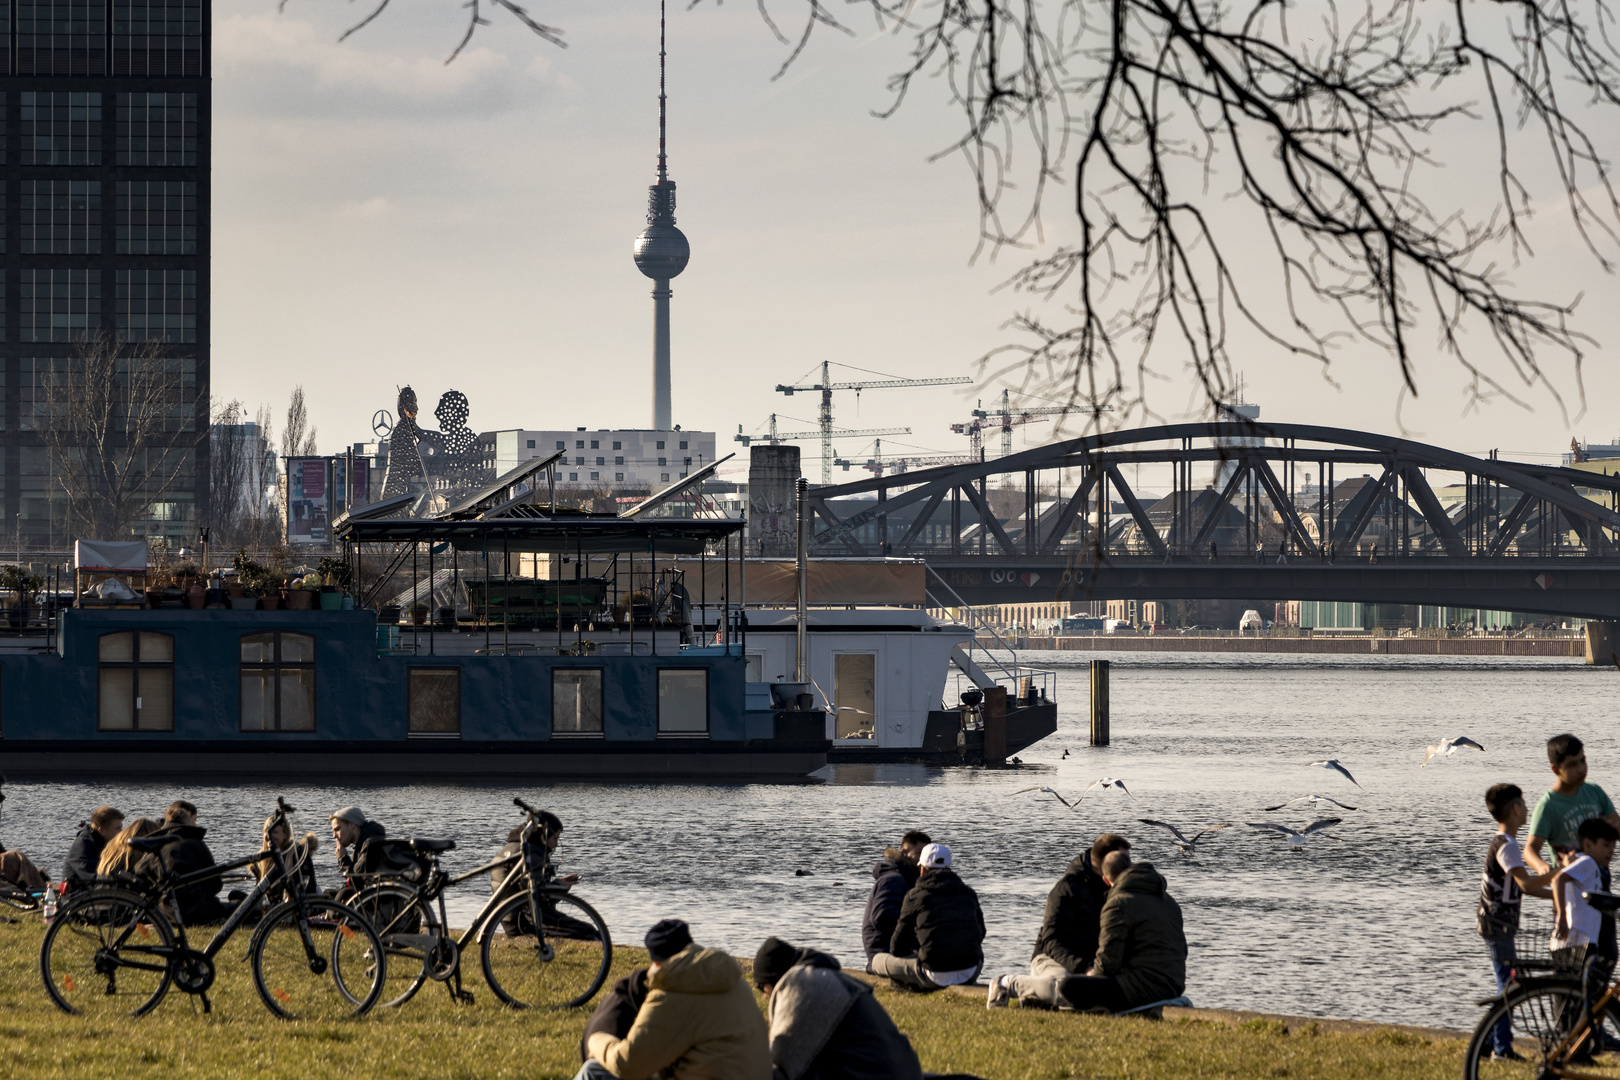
[
  {"x": 120, "y": 426},
  {"x": 295, "y": 440},
  {"x": 1271, "y": 174}
]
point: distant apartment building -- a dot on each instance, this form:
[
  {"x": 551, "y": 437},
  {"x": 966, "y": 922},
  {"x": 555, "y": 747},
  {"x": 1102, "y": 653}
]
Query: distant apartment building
[
  {"x": 602, "y": 458},
  {"x": 104, "y": 192}
]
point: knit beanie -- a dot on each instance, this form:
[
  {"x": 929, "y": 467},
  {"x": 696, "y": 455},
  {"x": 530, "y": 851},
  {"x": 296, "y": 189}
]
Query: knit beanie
[
  {"x": 772, "y": 961},
  {"x": 666, "y": 938}
]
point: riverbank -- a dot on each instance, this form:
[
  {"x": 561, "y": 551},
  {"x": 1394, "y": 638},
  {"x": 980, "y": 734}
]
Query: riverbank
[
  {"x": 1359, "y": 644},
  {"x": 431, "y": 1039}
]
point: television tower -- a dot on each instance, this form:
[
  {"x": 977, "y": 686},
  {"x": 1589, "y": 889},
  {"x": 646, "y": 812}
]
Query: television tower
[{"x": 661, "y": 252}]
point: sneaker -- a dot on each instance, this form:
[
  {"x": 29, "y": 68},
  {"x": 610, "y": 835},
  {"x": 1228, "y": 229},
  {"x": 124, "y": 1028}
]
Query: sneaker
[
  {"x": 1507, "y": 1055},
  {"x": 998, "y": 993}
]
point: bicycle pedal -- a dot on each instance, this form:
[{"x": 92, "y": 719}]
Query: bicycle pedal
[{"x": 463, "y": 997}]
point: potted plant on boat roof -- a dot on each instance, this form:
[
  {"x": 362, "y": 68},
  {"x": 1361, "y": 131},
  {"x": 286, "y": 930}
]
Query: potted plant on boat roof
[
  {"x": 419, "y": 613},
  {"x": 334, "y": 575},
  {"x": 24, "y": 586}
]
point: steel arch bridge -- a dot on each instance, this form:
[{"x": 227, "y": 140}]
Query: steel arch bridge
[{"x": 1504, "y": 535}]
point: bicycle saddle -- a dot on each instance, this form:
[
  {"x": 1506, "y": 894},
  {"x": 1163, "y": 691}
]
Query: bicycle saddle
[
  {"x": 426, "y": 844},
  {"x": 152, "y": 843}
]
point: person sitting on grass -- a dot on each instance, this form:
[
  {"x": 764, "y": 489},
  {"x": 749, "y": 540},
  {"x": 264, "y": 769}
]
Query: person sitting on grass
[
  {"x": 118, "y": 857},
  {"x": 277, "y": 836},
  {"x": 699, "y": 1022},
  {"x": 84, "y": 856},
  {"x": 892, "y": 877},
  {"x": 350, "y": 829},
  {"x": 939, "y": 938},
  {"x": 1570, "y": 801},
  {"x": 1067, "y": 943},
  {"x": 1142, "y": 948},
  {"x": 825, "y": 1024},
  {"x": 18, "y": 870},
  {"x": 199, "y": 902},
  {"x": 1501, "y": 889}
]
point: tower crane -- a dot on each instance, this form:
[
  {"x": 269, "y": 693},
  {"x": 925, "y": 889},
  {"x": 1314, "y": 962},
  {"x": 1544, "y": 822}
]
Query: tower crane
[
  {"x": 1007, "y": 418},
  {"x": 772, "y": 436},
  {"x": 877, "y": 465},
  {"x": 827, "y": 386}
]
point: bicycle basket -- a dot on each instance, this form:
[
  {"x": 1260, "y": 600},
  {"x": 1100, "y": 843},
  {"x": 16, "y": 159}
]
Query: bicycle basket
[{"x": 1533, "y": 942}]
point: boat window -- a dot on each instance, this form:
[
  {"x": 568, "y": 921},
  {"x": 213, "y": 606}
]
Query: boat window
[
  {"x": 278, "y": 682},
  {"x": 433, "y": 705},
  {"x": 576, "y": 701},
  {"x": 683, "y": 701},
  {"x": 855, "y": 695},
  {"x": 135, "y": 684}
]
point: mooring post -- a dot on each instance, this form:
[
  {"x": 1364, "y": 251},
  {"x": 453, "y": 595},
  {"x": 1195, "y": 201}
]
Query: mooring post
[
  {"x": 995, "y": 725},
  {"x": 1099, "y": 703}
]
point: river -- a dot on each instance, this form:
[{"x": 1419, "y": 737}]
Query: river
[{"x": 1378, "y": 926}]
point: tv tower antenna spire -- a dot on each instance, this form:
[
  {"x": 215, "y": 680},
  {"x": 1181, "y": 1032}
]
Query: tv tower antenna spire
[{"x": 661, "y": 251}]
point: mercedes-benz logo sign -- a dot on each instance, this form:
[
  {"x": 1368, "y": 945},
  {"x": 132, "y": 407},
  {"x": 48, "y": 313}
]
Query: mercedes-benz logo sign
[{"x": 382, "y": 423}]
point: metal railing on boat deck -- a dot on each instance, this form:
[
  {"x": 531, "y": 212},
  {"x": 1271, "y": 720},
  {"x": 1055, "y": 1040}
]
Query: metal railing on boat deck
[{"x": 1023, "y": 680}]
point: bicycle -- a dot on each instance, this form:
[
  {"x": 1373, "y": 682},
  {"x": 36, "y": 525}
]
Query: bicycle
[
  {"x": 561, "y": 966},
  {"x": 112, "y": 950},
  {"x": 19, "y": 899},
  {"x": 1561, "y": 1031}
]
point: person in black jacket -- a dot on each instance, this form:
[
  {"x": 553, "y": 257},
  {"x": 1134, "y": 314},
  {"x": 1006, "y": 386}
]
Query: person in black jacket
[
  {"x": 826, "y": 1025},
  {"x": 939, "y": 937},
  {"x": 79, "y": 868},
  {"x": 198, "y": 903},
  {"x": 616, "y": 1013},
  {"x": 892, "y": 877},
  {"x": 1067, "y": 942}
]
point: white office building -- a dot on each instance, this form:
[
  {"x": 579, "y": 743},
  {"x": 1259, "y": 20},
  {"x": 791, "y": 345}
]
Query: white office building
[{"x": 615, "y": 459}]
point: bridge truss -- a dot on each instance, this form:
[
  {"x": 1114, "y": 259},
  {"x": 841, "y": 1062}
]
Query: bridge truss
[{"x": 1375, "y": 526}]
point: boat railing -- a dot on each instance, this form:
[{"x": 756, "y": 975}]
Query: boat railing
[
  {"x": 978, "y": 625},
  {"x": 1025, "y": 686}
]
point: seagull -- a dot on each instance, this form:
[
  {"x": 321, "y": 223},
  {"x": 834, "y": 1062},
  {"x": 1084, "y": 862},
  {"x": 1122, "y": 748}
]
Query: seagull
[
  {"x": 1065, "y": 756},
  {"x": 1332, "y": 764},
  {"x": 1182, "y": 842},
  {"x": 1298, "y": 837},
  {"x": 1051, "y": 792},
  {"x": 1314, "y": 800},
  {"x": 1447, "y": 747},
  {"x": 1105, "y": 782}
]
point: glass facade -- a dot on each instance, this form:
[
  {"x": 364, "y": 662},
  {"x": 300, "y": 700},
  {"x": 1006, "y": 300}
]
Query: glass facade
[{"x": 67, "y": 68}]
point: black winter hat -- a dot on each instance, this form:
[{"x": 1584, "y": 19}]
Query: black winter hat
[
  {"x": 666, "y": 938},
  {"x": 772, "y": 961}
]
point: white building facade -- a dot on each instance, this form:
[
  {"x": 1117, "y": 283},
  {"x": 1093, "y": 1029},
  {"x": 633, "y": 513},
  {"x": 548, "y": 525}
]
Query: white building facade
[{"x": 614, "y": 459}]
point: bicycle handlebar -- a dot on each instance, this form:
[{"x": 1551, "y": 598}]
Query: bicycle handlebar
[
  {"x": 525, "y": 807},
  {"x": 281, "y": 804}
]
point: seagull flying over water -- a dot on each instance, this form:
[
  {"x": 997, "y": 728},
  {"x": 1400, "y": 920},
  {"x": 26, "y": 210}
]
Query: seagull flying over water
[
  {"x": 1049, "y": 791},
  {"x": 1107, "y": 782},
  {"x": 1182, "y": 842},
  {"x": 1314, "y": 800},
  {"x": 1446, "y": 748},
  {"x": 1297, "y": 838},
  {"x": 1332, "y": 764}
]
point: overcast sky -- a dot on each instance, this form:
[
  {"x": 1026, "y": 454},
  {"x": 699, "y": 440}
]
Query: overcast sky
[{"x": 381, "y": 218}]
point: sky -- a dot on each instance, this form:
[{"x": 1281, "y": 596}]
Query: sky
[{"x": 383, "y": 218}]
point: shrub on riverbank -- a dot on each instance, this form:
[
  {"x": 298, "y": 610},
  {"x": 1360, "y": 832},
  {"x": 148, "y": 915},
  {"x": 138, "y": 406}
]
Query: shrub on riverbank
[{"x": 431, "y": 1039}]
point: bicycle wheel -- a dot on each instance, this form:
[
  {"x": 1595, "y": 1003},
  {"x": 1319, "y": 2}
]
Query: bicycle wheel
[
  {"x": 337, "y": 972},
  {"x": 1540, "y": 1018},
  {"x": 106, "y": 955},
  {"x": 409, "y": 934},
  {"x": 515, "y": 965}
]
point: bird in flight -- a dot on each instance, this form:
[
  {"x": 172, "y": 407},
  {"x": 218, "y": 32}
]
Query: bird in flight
[
  {"x": 1182, "y": 842},
  {"x": 1314, "y": 800},
  {"x": 1106, "y": 782},
  {"x": 1297, "y": 838},
  {"x": 1332, "y": 764},
  {"x": 1447, "y": 747}
]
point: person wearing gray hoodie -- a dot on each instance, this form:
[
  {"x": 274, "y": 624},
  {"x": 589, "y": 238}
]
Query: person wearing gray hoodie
[{"x": 826, "y": 1025}]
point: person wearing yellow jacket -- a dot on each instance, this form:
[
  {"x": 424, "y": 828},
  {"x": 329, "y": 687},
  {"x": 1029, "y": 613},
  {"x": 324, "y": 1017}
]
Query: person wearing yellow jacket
[{"x": 700, "y": 1020}]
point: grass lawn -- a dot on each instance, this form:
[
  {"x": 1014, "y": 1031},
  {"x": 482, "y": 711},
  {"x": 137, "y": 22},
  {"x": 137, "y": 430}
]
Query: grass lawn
[{"x": 431, "y": 1039}]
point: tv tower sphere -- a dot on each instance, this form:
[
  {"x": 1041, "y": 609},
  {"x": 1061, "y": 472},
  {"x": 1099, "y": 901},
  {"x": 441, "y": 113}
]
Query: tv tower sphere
[{"x": 661, "y": 251}]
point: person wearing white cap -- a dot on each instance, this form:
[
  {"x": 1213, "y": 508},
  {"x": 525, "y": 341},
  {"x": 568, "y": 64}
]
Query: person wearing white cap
[{"x": 939, "y": 939}]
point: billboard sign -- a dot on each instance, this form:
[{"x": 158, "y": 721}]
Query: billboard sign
[{"x": 309, "y": 502}]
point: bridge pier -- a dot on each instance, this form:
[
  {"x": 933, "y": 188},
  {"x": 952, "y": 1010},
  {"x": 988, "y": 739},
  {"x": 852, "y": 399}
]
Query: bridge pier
[{"x": 1603, "y": 642}]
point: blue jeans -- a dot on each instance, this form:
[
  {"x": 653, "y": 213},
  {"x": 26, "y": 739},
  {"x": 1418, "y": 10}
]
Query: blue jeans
[
  {"x": 594, "y": 1070},
  {"x": 1503, "y": 957}
]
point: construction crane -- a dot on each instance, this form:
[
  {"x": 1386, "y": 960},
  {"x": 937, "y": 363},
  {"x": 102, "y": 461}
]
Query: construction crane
[
  {"x": 773, "y": 437},
  {"x": 876, "y": 465},
  {"x": 826, "y": 386},
  {"x": 1007, "y": 418}
]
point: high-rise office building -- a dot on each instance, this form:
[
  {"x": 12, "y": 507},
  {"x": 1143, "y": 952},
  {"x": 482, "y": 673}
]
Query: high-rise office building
[{"x": 104, "y": 181}]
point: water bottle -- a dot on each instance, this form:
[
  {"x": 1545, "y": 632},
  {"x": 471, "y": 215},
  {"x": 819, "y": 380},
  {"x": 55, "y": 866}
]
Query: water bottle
[{"x": 50, "y": 903}]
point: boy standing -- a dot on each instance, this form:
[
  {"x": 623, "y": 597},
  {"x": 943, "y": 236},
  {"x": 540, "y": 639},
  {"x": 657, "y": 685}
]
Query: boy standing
[
  {"x": 1570, "y": 801},
  {"x": 1501, "y": 889},
  {"x": 1577, "y": 924}
]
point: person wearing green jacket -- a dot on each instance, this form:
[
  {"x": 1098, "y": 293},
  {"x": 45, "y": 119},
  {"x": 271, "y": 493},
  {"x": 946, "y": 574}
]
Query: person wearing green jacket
[
  {"x": 699, "y": 1021},
  {"x": 1142, "y": 950}
]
